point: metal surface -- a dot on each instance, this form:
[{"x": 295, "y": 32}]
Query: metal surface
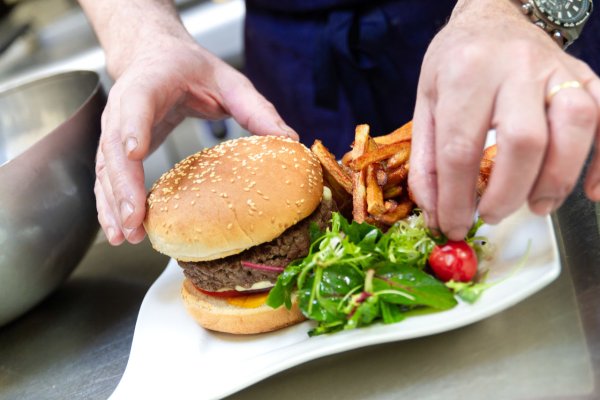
[
  {"x": 49, "y": 131},
  {"x": 76, "y": 344}
]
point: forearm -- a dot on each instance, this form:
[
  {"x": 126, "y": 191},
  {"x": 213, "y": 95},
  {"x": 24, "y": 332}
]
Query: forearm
[{"x": 124, "y": 26}]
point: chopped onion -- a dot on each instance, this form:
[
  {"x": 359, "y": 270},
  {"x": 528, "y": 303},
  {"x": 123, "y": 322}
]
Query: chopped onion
[{"x": 262, "y": 267}]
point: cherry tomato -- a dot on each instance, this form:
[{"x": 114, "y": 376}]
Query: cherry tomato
[{"x": 453, "y": 261}]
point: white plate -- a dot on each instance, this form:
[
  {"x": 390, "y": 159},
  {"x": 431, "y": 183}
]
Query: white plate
[{"x": 171, "y": 356}]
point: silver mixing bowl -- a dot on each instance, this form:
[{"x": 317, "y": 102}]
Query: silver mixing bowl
[{"x": 49, "y": 130}]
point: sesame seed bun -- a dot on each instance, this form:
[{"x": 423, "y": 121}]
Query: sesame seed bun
[
  {"x": 228, "y": 198},
  {"x": 217, "y": 315}
]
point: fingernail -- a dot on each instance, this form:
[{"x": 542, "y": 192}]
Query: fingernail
[
  {"x": 131, "y": 144},
  {"x": 426, "y": 217},
  {"x": 544, "y": 205},
  {"x": 110, "y": 233},
  {"x": 126, "y": 210},
  {"x": 457, "y": 233},
  {"x": 127, "y": 232},
  {"x": 287, "y": 130},
  {"x": 428, "y": 220},
  {"x": 490, "y": 219}
]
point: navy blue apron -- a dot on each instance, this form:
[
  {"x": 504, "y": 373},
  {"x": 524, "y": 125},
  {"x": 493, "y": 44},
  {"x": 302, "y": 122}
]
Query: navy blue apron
[{"x": 328, "y": 65}]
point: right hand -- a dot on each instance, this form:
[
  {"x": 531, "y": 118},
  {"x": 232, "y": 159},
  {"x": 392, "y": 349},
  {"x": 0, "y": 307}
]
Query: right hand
[{"x": 157, "y": 86}]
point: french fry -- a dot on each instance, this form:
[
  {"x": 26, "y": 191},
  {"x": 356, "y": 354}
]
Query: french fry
[
  {"x": 396, "y": 177},
  {"x": 402, "y": 210},
  {"x": 401, "y": 134},
  {"x": 346, "y": 158},
  {"x": 359, "y": 189},
  {"x": 331, "y": 165},
  {"x": 485, "y": 168},
  {"x": 393, "y": 191},
  {"x": 379, "y": 154},
  {"x": 359, "y": 197},
  {"x": 374, "y": 192},
  {"x": 400, "y": 157},
  {"x": 490, "y": 152},
  {"x": 390, "y": 205},
  {"x": 361, "y": 141},
  {"x": 381, "y": 177},
  {"x": 342, "y": 199},
  {"x": 482, "y": 182},
  {"x": 371, "y": 182}
]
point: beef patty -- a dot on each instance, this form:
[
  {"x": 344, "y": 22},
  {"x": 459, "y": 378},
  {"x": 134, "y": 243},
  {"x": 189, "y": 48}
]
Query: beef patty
[{"x": 228, "y": 272}]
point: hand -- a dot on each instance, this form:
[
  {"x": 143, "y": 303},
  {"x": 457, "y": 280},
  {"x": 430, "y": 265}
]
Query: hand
[
  {"x": 490, "y": 67},
  {"x": 157, "y": 86}
]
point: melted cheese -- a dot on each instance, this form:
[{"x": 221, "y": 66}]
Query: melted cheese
[{"x": 250, "y": 301}]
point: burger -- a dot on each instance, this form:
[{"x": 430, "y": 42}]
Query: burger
[{"x": 234, "y": 216}]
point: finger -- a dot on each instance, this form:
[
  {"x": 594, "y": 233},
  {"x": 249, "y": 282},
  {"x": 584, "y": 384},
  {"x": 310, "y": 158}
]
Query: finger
[
  {"x": 572, "y": 118},
  {"x": 459, "y": 145},
  {"x": 108, "y": 221},
  {"x": 126, "y": 177},
  {"x": 251, "y": 110},
  {"x": 106, "y": 218},
  {"x": 592, "y": 180},
  {"x": 522, "y": 136},
  {"x": 137, "y": 117},
  {"x": 423, "y": 179},
  {"x": 135, "y": 236}
]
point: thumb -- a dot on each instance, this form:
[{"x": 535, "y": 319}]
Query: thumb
[{"x": 251, "y": 110}]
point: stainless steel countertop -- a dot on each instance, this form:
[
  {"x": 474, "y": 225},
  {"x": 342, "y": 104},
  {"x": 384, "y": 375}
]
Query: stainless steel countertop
[{"x": 75, "y": 345}]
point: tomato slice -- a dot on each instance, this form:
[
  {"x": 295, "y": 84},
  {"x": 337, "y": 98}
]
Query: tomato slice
[{"x": 454, "y": 261}]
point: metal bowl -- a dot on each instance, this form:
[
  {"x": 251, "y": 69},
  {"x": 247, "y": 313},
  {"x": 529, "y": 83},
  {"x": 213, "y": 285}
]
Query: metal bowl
[{"x": 49, "y": 130}]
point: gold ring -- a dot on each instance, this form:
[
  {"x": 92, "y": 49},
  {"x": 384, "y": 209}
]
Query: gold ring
[{"x": 564, "y": 85}]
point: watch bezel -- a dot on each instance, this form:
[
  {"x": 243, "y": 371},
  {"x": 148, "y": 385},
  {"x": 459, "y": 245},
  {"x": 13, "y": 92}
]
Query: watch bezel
[{"x": 548, "y": 18}]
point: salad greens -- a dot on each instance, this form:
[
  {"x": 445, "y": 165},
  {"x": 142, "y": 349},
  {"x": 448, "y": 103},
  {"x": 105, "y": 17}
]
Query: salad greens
[{"x": 355, "y": 275}]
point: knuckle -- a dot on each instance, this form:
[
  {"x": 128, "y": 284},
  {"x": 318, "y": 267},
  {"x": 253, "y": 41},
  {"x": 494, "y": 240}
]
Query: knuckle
[
  {"x": 473, "y": 59},
  {"x": 100, "y": 168},
  {"x": 560, "y": 185},
  {"x": 461, "y": 153},
  {"x": 524, "y": 139},
  {"x": 111, "y": 139},
  {"x": 576, "y": 110},
  {"x": 120, "y": 186},
  {"x": 524, "y": 52},
  {"x": 583, "y": 69}
]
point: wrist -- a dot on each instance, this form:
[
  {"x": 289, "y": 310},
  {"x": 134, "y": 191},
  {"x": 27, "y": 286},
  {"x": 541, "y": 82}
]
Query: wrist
[
  {"x": 126, "y": 29},
  {"x": 121, "y": 48},
  {"x": 507, "y": 10}
]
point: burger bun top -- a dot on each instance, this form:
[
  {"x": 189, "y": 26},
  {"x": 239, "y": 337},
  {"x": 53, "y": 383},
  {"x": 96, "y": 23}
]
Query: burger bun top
[{"x": 228, "y": 198}]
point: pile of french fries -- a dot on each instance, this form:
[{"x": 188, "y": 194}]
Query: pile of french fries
[{"x": 371, "y": 182}]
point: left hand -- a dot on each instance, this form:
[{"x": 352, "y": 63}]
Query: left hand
[{"x": 490, "y": 67}]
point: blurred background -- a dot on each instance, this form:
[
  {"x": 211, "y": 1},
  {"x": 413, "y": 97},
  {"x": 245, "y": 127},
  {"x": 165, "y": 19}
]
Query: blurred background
[{"x": 41, "y": 37}]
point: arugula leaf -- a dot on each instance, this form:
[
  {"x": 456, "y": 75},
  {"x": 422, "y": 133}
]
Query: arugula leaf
[
  {"x": 468, "y": 291},
  {"x": 281, "y": 293},
  {"x": 355, "y": 275},
  {"x": 391, "y": 313},
  {"x": 314, "y": 232},
  {"x": 401, "y": 284}
]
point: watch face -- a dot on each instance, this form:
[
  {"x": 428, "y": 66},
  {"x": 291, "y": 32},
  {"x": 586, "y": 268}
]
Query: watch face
[{"x": 564, "y": 12}]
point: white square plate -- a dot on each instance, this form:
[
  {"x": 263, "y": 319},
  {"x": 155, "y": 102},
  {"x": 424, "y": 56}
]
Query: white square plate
[{"x": 172, "y": 356}]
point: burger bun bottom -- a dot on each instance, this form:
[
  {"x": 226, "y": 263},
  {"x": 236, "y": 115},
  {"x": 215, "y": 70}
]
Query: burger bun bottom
[{"x": 217, "y": 314}]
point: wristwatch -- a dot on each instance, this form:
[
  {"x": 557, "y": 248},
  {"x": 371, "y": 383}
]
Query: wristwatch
[{"x": 562, "y": 19}]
